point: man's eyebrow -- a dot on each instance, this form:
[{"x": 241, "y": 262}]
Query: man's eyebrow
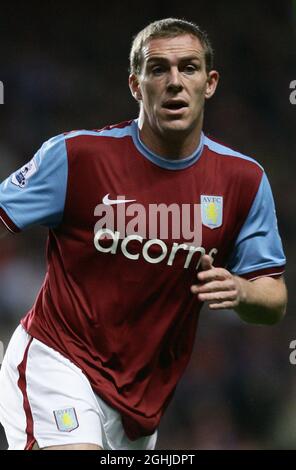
[
  {"x": 156, "y": 59},
  {"x": 164, "y": 59},
  {"x": 190, "y": 58}
]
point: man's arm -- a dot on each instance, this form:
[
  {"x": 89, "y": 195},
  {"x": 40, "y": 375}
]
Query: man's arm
[
  {"x": 262, "y": 301},
  {"x": 35, "y": 194}
]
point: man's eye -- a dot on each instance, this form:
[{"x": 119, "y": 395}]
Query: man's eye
[
  {"x": 157, "y": 70},
  {"x": 190, "y": 68}
]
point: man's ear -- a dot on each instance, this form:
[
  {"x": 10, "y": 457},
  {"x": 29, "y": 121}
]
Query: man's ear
[
  {"x": 134, "y": 87},
  {"x": 212, "y": 82}
]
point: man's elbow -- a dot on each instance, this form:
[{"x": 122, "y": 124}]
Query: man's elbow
[
  {"x": 279, "y": 312},
  {"x": 277, "y": 315}
]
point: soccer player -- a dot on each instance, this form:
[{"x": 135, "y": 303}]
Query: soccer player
[{"x": 147, "y": 219}]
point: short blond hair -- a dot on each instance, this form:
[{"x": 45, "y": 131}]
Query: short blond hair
[{"x": 168, "y": 27}]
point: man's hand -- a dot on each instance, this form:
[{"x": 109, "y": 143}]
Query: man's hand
[
  {"x": 261, "y": 301},
  {"x": 217, "y": 286}
]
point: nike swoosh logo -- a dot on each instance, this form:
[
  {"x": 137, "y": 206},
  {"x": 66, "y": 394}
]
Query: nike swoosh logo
[{"x": 109, "y": 202}]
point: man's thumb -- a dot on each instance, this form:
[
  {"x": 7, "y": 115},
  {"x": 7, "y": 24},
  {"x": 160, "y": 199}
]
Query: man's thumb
[{"x": 206, "y": 263}]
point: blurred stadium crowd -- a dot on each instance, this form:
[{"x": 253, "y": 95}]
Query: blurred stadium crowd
[{"x": 65, "y": 66}]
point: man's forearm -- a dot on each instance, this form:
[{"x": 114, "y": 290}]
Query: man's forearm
[{"x": 263, "y": 301}]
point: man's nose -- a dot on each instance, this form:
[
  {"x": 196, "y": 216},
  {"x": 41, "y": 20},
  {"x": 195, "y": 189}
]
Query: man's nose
[{"x": 174, "y": 79}]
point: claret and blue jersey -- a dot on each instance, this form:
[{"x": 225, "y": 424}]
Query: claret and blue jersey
[{"x": 122, "y": 309}]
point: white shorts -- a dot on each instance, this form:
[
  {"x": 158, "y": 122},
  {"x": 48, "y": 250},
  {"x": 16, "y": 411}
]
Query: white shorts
[{"x": 45, "y": 398}]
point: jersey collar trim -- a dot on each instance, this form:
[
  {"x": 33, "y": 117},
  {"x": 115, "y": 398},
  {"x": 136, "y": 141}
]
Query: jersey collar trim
[{"x": 163, "y": 162}]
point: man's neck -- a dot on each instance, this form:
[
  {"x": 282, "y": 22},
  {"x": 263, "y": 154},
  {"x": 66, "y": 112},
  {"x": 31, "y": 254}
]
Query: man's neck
[{"x": 173, "y": 145}]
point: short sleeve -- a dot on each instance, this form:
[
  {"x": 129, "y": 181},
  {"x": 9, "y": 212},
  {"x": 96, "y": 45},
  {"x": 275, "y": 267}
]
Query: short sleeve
[
  {"x": 258, "y": 249},
  {"x": 35, "y": 194}
]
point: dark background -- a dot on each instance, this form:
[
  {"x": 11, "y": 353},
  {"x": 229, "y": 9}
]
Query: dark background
[{"x": 64, "y": 66}]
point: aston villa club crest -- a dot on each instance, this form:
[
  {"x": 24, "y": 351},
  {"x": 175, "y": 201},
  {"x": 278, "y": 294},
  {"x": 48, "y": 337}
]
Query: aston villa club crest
[
  {"x": 66, "y": 419},
  {"x": 211, "y": 210}
]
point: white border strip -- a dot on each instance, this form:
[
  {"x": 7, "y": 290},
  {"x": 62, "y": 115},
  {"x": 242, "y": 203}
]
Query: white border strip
[
  {"x": 8, "y": 228},
  {"x": 266, "y": 275}
]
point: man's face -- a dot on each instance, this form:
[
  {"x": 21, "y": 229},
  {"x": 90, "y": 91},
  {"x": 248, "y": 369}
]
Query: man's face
[{"x": 173, "y": 84}]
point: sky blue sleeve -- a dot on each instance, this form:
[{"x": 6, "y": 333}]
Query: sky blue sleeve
[
  {"x": 258, "y": 245},
  {"x": 35, "y": 194}
]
